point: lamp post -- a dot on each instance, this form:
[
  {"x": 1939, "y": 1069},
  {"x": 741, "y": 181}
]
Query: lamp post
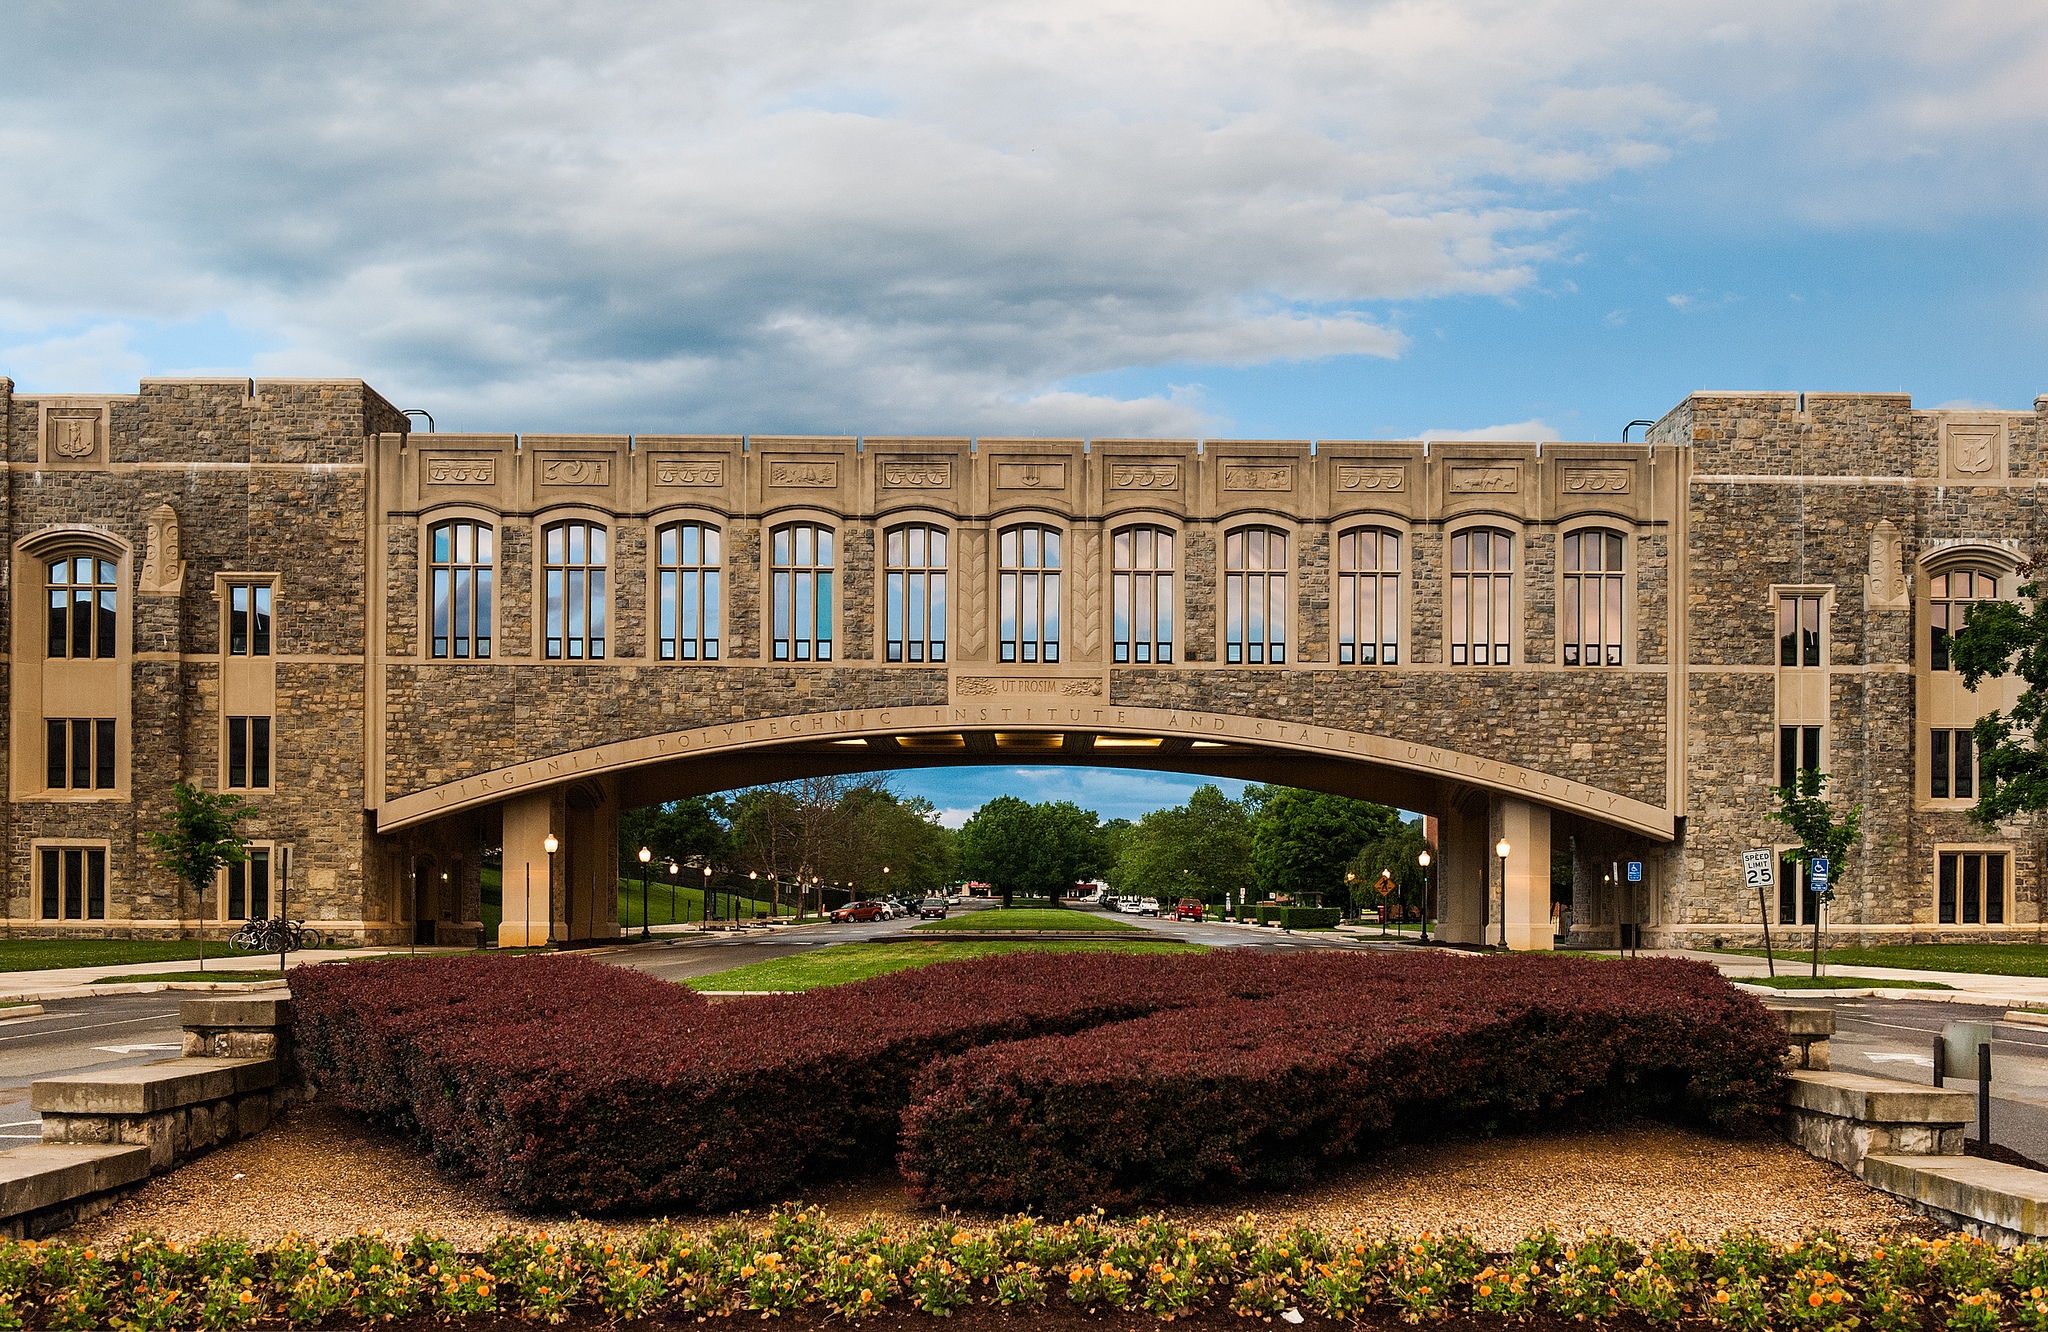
[
  {"x": 1428, "y": 897},
  {"x": 284, "y": 898},
  {"x": 673, "y": 870},
  {"x": 704, "y": 905},
  {"x": 552, "y": 844},
  {"x": 645, "y": 904},
  {"x": 753, "y": 894},
  {"x": 885, "y": 883},
  {"x": 1386, "y": 890},
  {"x": 1500, "y": 850}
]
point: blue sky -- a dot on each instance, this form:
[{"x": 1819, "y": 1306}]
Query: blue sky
[{"x": 1529, "y": 219}]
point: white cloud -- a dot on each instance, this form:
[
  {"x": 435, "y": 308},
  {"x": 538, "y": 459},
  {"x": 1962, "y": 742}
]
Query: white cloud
[
  {"x": 1527, "y": 431},
  {"x": 954, "y": 818},
  {"x": 102, "y": 359}
]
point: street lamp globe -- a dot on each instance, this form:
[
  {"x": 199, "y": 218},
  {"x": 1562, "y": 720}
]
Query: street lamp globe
[
  {"x": 1501, "y": 848},
  {"x": 551, "y": 843},
  {"x": 645, "y": 855},
  {"x": 1423, "y": 860}
]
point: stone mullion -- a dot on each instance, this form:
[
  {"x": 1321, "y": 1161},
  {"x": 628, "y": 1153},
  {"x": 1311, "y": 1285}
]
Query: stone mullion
[
  {"x": 1312, "y": 599},
  {"x": 857, "y": 594},
  {"x": 1426, "y": 595},
  {"x": 630, "y": 591},
  {"x": 1202, "y": 593},
  {"x": 513, "y": 589},
  {"x": 743, "y": 610},
  {"x": 1539, "y": 597}
]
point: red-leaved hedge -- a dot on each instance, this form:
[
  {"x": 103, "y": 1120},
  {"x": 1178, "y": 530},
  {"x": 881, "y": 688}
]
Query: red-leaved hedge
[{"x": 1026, "y": 1079}]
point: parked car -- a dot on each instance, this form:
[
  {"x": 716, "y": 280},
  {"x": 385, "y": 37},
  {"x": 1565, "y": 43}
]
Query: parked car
[
  {"x": 932, "y": 906},
  {"x": 1187, "y": 909},
  {"x": 859, "y": 911},
  {"x": 1148, "y": 906}
]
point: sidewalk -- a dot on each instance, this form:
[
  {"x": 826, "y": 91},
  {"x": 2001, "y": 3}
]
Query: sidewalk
[
  {"x": 76, "y": 982},
  {"x": 1968, "y": 987}
]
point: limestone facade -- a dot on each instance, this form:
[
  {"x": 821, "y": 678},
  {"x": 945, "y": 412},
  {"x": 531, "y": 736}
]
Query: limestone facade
[{"x": 401, "y": 739}]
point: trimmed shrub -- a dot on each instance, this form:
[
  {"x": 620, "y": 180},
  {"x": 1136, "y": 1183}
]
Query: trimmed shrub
[{"x": 1029, "y": 1078}]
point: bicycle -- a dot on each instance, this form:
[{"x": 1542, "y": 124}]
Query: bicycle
[{"x": 273, "y": 936}]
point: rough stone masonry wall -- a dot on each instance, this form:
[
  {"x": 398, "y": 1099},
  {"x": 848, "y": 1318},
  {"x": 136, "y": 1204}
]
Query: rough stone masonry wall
[
  {"x": 1748, "y": 535},
  {"x": 281, "y": 490}
]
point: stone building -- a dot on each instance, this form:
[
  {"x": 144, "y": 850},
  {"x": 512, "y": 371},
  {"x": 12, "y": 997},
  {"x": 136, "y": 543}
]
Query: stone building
[{"x": 407, "y": 649}]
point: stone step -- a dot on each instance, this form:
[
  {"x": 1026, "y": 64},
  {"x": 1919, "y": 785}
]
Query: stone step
[
  {"x": 150, "y": 1088},
  {"x": 46, "y": 1174},
  {"x": 1858, "y": 1096},
  {"x": 2007, "y": 1201}
]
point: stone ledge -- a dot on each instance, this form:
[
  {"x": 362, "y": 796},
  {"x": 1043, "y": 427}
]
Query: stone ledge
[
  {"x": 268, "y": 1011},
  {"x": 1989, "y": 1198},
  {"x": 152, "y": 1088},
  {"x": 46, "y": 1174},
  {"x": 1810, "y": 1022},
  {"x": 1875, "y": 1100}
]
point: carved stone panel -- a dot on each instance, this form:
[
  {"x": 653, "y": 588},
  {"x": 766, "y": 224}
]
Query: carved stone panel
[
  {"x": 1973, "y": 450},
  {"x": 689, "y": 472},
  {"x": 75, "y": 436},
  {"x": 1247, "y": 475},
  {"x": 1144, "y": 476},
  {"x": 821, "y": 473},
  {"x": 1599, "y": 480},
  {"x": 1486, "y": 479},
  {"x": 1362, "y": 479},
  {"x": 1031, "y": 476},
  {"x": 575, "y": 471},
  {"x": 163, "y": 563},
  {"x": 461, "y": 471},
  {"x": 916, "y": 474},
  {"x": 1884, "y": 583},
  {"x": 994, "y": 686}
]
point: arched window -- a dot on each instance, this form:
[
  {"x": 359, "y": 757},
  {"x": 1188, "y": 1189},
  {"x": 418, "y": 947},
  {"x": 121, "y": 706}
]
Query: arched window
[
  {"x": 1369, "y": 597},
  {"x": 801, "y": 561},
  {"x": 914, "y": 560},
  {"x": 1141, "y": 594},
  {"x": 1029, "y": 581},
  {"x": 1255, "y": 596},
  {"x": 84, "y": 594},
  {"x": 1949, "y": 596},
  {"x": 459, "y": 568},
  {"x": 1482, "y": 597},
  {"x": 576, "y": 600},
  {"x": 1592, "y": 598},
  {"x": 687, "y": 593}
]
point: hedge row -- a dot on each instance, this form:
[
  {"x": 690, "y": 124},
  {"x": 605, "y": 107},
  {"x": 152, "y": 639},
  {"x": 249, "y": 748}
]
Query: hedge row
[
  {"x": 799, "y": 1264},
  {"x": 1300, "y": 917},
  {"x": 1025, "y": 1080}
]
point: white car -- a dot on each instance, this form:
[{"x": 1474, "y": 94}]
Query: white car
[{"x": 1148, "y": 906}]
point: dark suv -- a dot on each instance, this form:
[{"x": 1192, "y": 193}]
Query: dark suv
[{"x": 932, "y": 906}]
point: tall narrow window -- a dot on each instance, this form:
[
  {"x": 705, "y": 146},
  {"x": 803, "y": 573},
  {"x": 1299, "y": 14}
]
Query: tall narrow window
[
  {"x": 1948, "y": 602},
  {"x": 802, "y": 559},
  {"x": 1141, "y": 595},
  {"x": 914, "y": 561},
  {"x": 1592, "y": 599},
  {"x": 1255, "y": 596},
  {"x": 1798, "y": 747},
  {"x": 1970, "y": 888},
  {"x": 248, "y": 887},
  {"x": 248, "y": 752},
  {"x": 687, "y": 616},
  {"x": 460, "y": 566},
  {"x": 1369, "y": 597},
  {"x": 1795, "y": 898},
  {"x": 1029, "y": 583},
  {"x": 248, "y": 606},
  {"x": 1482, "y": 597},
  {"x": 83, "y": 592},
  {"x": 78, "y": 753},
  {"x": 1799, "y": 631},
  {"x": 575, "y": 591},
  {"x": 74, "y": 885},
  {"x": 1952, "y": 771}
]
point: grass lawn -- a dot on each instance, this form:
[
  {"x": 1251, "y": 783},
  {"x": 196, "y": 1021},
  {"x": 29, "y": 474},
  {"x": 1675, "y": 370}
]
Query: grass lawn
[
  {"x": 1985, "y": 959},
  {"x": 236, "y": 976},
  {"x": 1837, "y": 983},
  {"x": 40, "y": 954},
  {"x": 1029, "y": 918},
  {"x": 840, "y": 963},
  {"x": 670, "y": 905}
]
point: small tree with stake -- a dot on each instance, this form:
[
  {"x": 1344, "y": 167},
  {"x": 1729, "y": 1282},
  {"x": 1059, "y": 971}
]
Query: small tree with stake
[
  {"x": 198, "y": 840},
  {"x": 1803, "y": 808}
]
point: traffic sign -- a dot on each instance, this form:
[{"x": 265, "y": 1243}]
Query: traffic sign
[
  {"x": 1756, "y": 867},
  {"x": 1817, "y": 880},
  {"x": 1635, "y": 871}
]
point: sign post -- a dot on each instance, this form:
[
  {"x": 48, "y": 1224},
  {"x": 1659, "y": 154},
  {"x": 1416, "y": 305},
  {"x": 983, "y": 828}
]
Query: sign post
[
  {"x": 1817, "y": 884},
  {"x": 1756, "y": 873}
]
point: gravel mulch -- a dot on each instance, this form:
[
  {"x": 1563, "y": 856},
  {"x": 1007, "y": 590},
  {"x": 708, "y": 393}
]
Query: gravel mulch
[{"x": 320, "y": 1172}]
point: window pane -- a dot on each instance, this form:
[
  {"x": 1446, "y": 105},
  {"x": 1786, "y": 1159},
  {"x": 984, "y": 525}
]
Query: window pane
[
  {"x": 1937, "y": 771},
  {"x": 56, "y": 750},
  {"x": 81, "y": 754},
  {"x": 1945, "y": 904},
  {"x": 103, "y": 753},
  {"x": 259, "y": 751},
  {"x": 1994, "y": 889},
  {"x": 53, "y": 876}
]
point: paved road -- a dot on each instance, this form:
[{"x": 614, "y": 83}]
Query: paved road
[{"x": 79, "y": 1036}]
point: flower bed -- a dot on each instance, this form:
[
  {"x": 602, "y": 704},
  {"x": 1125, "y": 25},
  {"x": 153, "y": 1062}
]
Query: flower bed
[
  {"x": 797, "y": 1264},
  {"x": 568, "y": 1084}
]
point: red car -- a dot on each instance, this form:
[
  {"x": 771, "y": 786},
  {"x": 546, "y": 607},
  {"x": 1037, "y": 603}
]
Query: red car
[
  {"x": 1188, "y": 909},
  {"x": 858, "y": 911}
]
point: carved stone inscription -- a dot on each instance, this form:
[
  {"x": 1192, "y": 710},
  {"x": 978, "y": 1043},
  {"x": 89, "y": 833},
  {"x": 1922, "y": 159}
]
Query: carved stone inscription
[
  {"x": 1258, "y": 476},
  {"x": 1145, "y": 476},
  {"x": 576, "y": 472},
  {"x": 74, "y": 435},
  {"x": 461, "y": 471},
  {"x": 1031, "y": 476},
  {"x": 908, "y": 474},
  {"x": 983, "y": 686},
  {"x": 824, "y": 472},
  {"x": 683, "y": 472},
  {"x": 1499, "y": 479},
  {"x": 1598, "y": 480},
  {"x": 1370, "y": 478}
]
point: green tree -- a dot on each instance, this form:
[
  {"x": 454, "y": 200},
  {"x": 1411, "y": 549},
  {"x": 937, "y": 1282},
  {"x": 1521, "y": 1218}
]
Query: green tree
[
  {"x": 1804, "y": 809},
  {"x": 1201, "y": 849},
  {"x": 2000, "y": 638},
  {"x": 198, "y": 840},
  {"x": 1041, "y": 850},
  {"x": 680, "y": 831},
  {"x": 1301, "y": 840},
  {"x": 1394, "y": 851}
]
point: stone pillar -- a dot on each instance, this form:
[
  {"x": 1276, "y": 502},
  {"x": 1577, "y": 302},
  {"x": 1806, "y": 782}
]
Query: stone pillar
[
  {"x": 1527, "y": 830},
  {"x": 528, "y": 891},
  {"x": 1461, "y": 875}
]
